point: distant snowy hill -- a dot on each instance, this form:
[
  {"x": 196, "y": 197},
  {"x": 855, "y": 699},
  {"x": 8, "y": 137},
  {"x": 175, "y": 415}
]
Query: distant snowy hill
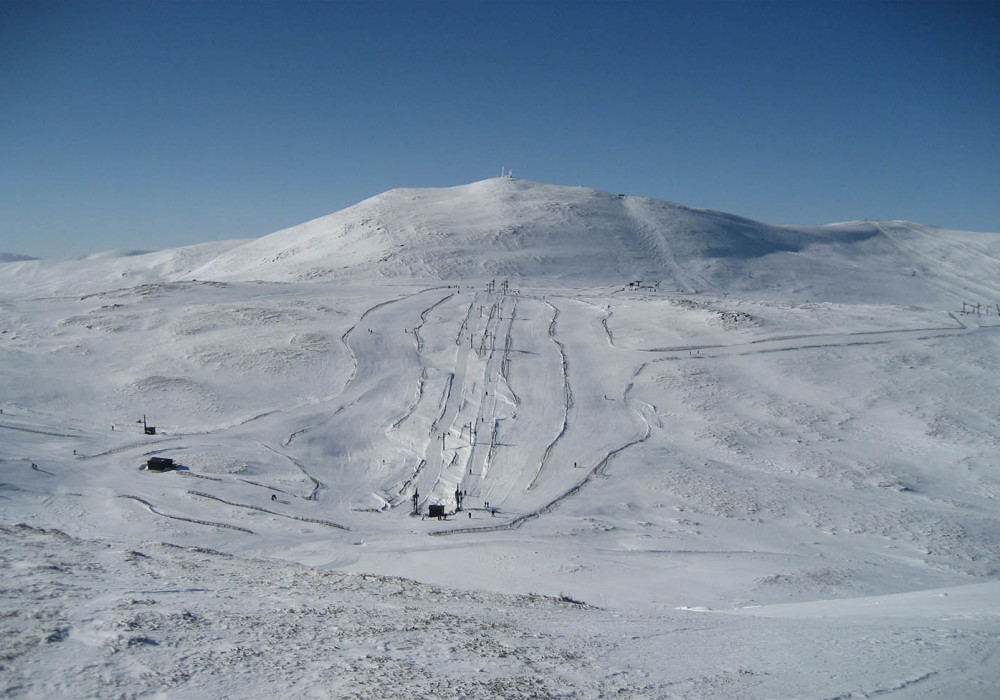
[
  {"x": 503, "y": 227},
  {"x": 13, "y": 257},
  {"x": 529, "y": 231},
  {"x": 109, "y": 269}
]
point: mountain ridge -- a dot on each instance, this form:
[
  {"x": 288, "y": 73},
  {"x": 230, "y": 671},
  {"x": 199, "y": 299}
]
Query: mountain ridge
[
  {"x": 536, "y": 232},
  {"x": 520, "y": 229},
  {"x": 508, "y": 227}
]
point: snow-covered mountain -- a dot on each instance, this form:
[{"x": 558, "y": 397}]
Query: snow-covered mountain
[
  {"x": 517, "y": 229},
  {"x": 531, "y": 231},
  {"x": 681, "y": 454},
  {"x": 527, "y": 231}
]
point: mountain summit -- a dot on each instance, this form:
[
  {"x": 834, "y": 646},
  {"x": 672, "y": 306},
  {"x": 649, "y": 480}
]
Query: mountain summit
[
  {"x": 540, "y": 234},
  {"x": 506, "y": 227}
]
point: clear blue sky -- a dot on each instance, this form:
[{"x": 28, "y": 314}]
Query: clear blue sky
[{"x": 146, "y": 125}]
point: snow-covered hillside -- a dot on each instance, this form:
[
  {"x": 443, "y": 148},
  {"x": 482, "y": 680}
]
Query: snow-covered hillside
[
  {"x": 697, "y": 456},
  {"x": 522, "y": 230}
]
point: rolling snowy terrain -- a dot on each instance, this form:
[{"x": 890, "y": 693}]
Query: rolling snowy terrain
[{"x": 697, "y": 455}]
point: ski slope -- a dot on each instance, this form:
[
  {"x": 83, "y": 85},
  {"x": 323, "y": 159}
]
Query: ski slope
[{"x": 698, "y": 456}]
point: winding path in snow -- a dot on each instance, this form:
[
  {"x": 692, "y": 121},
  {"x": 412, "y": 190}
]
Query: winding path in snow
[{"x": 567, "y": 397}]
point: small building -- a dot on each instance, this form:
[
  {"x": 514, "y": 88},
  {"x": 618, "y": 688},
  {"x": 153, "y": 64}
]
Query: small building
[
  {"x": 436, "y": 511},
  {"x": 159, "y": 464}
]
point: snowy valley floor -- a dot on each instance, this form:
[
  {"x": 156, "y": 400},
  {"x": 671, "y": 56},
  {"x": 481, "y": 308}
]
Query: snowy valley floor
[{"x": 665, "y": 494}]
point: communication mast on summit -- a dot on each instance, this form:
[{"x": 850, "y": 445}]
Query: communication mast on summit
[{"x": 506, "y": 173}]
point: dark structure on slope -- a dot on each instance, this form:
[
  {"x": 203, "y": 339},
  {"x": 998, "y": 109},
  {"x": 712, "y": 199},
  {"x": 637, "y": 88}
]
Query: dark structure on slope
[{"x": 159, "y": 464}]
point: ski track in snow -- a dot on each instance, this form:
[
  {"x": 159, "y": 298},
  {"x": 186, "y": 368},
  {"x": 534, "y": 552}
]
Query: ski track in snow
[{"x": 567, "y": 397}]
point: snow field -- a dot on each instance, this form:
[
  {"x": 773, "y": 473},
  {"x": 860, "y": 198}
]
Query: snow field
[{"x": 767, "y": 470}]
